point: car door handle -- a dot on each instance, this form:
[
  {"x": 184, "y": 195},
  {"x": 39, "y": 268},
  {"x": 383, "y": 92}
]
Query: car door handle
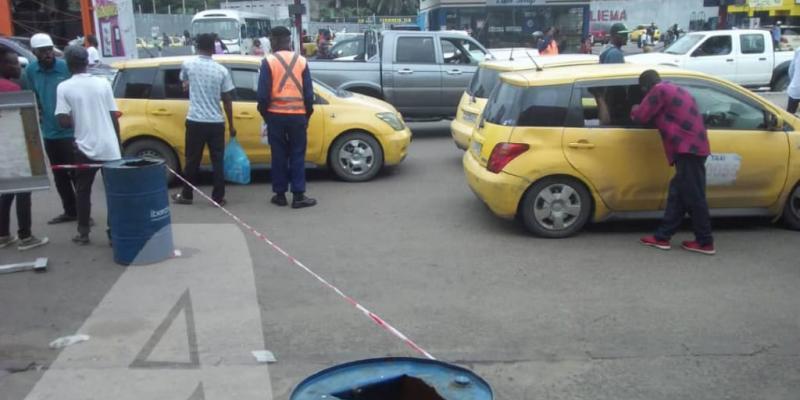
[
  {"x": 729, "y": 60},
  {"x": 454, "y": 72},
  {"x": 244, "y": 116},
  {"x": 762, "y": 59},
  {"x": 405, "y": 71},
  {"x": 161, "y": 112},
  {"x": 581, "y": 144}
]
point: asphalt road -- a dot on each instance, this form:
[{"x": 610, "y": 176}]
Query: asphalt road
[{"x": 591, "y": 317}]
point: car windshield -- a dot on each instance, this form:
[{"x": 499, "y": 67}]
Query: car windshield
[
  {"x": 322, "y": 87},
  {"x": 684, "y": 44},
  {"x": 483, "y": 82},
  {"x": 226, "y": 29}
]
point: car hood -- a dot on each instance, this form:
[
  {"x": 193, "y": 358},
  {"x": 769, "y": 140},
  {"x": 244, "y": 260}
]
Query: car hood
[
  {"x": 654, "y": 59},
  {"x": 367, "y": 103}
]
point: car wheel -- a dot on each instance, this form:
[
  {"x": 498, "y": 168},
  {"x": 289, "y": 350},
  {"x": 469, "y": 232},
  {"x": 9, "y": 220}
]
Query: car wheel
[
  {"x": 356, "y": 157},
  {"x": 791, "y": 211},
  {"x": 781, "y": 83},
  {"x": 556, "y": 207},
  {"x": 152, "y": 148}
]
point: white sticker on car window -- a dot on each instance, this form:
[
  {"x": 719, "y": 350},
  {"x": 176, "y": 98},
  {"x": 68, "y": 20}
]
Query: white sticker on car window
[{"x": 722, "y": 169}]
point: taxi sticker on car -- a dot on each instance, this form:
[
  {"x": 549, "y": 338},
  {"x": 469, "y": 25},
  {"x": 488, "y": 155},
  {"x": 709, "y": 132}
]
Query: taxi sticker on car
[{"x": 722, "y": 169}]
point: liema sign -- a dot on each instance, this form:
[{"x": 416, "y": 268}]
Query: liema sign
[{"x": 608, "y": 15}]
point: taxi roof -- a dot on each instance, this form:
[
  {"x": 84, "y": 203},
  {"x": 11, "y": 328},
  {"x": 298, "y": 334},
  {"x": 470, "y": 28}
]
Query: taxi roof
[
  {"x": 569, "y": 74},
  {"x": 155, "y": 62},
  {"x": 523, "y": 62}
]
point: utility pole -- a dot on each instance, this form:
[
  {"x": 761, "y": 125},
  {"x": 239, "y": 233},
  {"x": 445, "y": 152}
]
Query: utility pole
[
  {"x": 154, "y": 7},
  {"x": 183, "y": 6},
  {"x": 298, "y": 25}
]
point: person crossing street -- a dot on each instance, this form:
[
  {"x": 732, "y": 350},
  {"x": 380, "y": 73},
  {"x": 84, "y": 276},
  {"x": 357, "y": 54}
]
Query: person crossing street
[{"x": 286, "y": 101}]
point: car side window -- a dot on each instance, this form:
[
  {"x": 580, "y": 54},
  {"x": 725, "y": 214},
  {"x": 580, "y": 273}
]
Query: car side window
[
  {"x": 601, "y": 106},
  {"x": 544, "y": 106},
  {"x": 245, "y": 81},
  {"x": 415, "y": 50},
  {"x": 460, "y": 51},
  {"x": 725, "y": 111},
  {"x": 714, "y": 46},
  {"x": 173, "y": 86},
  {"x": 134, "y": 83},
  {"x": 752, "y": 43}
]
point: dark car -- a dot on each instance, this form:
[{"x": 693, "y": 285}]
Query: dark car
[{"x": 24, "y": 54}]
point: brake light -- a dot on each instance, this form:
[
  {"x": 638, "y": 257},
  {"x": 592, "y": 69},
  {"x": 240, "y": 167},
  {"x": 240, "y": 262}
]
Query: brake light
[{"x": 503, "y": 153}]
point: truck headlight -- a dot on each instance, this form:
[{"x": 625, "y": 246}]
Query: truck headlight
[{"x": 391, "y": 119}]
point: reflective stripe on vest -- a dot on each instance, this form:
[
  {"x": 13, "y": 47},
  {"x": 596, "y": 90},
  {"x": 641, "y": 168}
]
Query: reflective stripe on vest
[{"x": 287, "y": 83}]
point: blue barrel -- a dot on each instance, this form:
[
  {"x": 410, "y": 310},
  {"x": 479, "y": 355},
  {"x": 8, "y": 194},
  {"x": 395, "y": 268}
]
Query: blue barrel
[
  {"x": 395, "y": 378},
  {"x": 138, "y": 211}
]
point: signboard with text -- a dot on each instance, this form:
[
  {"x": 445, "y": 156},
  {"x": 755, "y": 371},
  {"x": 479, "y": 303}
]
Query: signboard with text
[{"x": 116, "y": 29}]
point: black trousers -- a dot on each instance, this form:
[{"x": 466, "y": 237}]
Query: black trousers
[
  {"x": 792, "y": 107},
  {"x": 198, "y": 134},
  {"x": 84, "y": 179},
  {"x": 23, "y": 214},
  {"x": 687, "y": 194},
  {"x": 62, "y": 151}
]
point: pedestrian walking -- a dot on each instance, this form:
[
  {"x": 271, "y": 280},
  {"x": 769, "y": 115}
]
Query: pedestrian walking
[
  {"x": 619, "y": 37},
  {"x": 208, "y": 83},
  {"x": 91, "y": 48},
  {"x": 86, "y": 104},
  {"x": 10, "y": 71},
  {"x": 43, "y": 76},
  {"x": 776, "y": 36},
  {"x": 586, "y": 45},
  {"x": 286, "y": 101},
  {"x": 793, "y": 90},
  {"x": 219, "y": 45},
  {"x": 674, "y": 112},
  {"x": 549, "y": 46},
  {"x": 257, "y": 50}
]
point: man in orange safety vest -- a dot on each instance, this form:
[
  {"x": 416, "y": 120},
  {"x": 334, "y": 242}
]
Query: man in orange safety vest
[{"x": 286, "y": 101}]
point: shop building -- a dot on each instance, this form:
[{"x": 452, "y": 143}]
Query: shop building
[{"x": 756, "y": 13}]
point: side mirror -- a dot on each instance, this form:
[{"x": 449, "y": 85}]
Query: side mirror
[{"x": 774, "y": 122}]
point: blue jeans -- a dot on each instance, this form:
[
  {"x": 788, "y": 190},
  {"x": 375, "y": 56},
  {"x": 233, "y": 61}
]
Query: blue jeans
[
  {"x": 287, "y": 139},
  {"x": 687, "y": 194}
]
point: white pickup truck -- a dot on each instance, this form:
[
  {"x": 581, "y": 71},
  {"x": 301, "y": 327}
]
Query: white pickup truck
[{"x": 745, "y": 57}]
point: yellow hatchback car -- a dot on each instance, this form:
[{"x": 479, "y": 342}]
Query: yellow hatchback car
[
  {"x": 488, "y": 76},
  {"x": 352, "y": 134},
  {"x": 545, "y": 151}
]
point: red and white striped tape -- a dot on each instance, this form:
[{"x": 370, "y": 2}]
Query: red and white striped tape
[
  {"x": 75, "y": 166},
  {"x": 374, "y": 317}
]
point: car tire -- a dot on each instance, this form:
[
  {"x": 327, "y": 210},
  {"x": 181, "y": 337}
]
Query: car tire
[
  {"x": 355, "y": 157},
  {"x": 556, "y": 207},
  {"x": 791, "y": 210},
  {"x": 153, "y": 148},
  {"x": 781, "y": 83}
]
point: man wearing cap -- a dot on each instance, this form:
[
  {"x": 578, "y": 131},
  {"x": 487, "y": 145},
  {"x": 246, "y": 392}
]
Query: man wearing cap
[
  {"x": 43, "y": 76},
  {"x": 619, "y": 37},
  {"x": 286, "y": 101},
  {"x": 86, "y": 103}
]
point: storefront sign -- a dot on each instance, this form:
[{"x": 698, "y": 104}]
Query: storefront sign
[
  {"x": 764, "y": 3},
  {"x": 521, "y": 3},
  {"x": 609, "y": 15},
  {"x": 115, "y": 27}
]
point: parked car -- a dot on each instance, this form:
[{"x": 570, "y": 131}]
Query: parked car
[
  {"x": 742, "y": 56},
  {"x": 487, "y": 78},
  {"x": 599, "y": 33},
  {"x": 640, "y": 30},
  {"x": 422, "y": 74},
  {"x": 353, "y": 135},
  {"x": 541, "y": 152}
]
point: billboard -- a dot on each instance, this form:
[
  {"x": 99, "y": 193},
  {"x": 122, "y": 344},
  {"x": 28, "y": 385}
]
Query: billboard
[{"x": 116, "y": 29}]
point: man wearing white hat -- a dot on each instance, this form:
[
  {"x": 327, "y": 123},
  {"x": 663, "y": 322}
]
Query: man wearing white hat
[{"x": 43, "y": 77}]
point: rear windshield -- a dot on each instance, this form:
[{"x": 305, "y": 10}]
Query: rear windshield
[
  {"x": 483, "y": 82},
  {"x": 512, "y": 105}
]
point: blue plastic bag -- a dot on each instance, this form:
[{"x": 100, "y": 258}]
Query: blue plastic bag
[{"x": 237, "y": 165}]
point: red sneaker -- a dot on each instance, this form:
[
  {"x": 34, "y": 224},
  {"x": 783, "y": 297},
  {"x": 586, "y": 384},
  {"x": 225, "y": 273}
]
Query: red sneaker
[
  {"x": 653, "y": 242},
  {"x": 697, "y": 248}
]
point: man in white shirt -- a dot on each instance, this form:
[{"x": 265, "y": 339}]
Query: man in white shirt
[
  {"x": 86, "y": 103},
  {"x": 794, "y": 84},
  {"x": 91, "y": 49}
]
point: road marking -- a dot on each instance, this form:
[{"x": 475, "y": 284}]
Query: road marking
[{"x": 182, "y": 329}]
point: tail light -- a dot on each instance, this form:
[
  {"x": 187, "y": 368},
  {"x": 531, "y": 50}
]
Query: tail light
[{"x": 503, "y": 153}]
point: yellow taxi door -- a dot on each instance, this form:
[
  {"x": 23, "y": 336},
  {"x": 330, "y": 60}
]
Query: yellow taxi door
[
  {"x": 167, "y": 108},
  {"x": 315, "y": 132},
  {"x": 246, "y": 117},
  {"x": 623, "y": 161},
  {"x": 748, "y": 163}
]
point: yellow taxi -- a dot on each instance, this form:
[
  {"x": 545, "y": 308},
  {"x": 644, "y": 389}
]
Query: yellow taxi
[
  {"x": 488, "y": 76},
  {"x": 640, "y": 30},
  {"x": 557, "y": 148},
  {"x": 352, "y": 134}
]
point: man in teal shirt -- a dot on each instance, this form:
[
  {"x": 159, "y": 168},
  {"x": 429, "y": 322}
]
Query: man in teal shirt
[{"x": 43, "y": 77}]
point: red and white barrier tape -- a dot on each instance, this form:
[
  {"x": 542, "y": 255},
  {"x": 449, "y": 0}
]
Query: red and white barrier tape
[
  {"x": 75, "y": 166},
  {"x": 374, "y": 317}
]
